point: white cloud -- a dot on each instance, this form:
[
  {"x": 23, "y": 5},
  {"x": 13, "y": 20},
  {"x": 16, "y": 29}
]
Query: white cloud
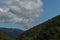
[{"x": 20, "y": 11}]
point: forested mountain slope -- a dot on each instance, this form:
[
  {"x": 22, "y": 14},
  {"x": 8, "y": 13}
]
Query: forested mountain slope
[
  {"x": 12, "y": 32},
  {"x": 4, "y": 36},
  {"x": 49, "y": 30}
]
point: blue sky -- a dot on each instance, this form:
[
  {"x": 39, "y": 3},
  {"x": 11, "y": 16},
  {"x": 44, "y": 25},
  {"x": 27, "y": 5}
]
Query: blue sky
[{"x": 51, "y": 8}]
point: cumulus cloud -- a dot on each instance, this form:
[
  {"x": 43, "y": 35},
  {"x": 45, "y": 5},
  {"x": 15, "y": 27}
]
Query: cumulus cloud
[{"x": 20, "y": 11}]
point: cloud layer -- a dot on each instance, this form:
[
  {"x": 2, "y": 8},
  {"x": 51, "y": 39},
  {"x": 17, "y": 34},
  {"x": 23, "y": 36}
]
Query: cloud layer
[{"x": 20, "y": 11}]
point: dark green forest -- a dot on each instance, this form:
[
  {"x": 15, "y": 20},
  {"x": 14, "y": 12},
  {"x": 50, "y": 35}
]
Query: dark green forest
[
  {"x": 49, "y": 30},
  {"x": 4, "y": 36},
  {"x": 9, "y": 33}
]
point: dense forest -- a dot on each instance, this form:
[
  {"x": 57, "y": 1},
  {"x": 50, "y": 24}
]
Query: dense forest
[
  {"x": 4, "y": 36},
  {"x": 9, "y": 33},
  {"x": 49, "y": 30}
]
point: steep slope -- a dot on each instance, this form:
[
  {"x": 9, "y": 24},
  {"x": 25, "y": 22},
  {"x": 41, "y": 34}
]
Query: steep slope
[
  {"x": 49, "y": 30},
  {"x": 12, "y": 32}
]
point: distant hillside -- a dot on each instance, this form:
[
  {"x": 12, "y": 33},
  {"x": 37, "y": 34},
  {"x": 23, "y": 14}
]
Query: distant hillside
[
  {"x": 4, "y": 36},
  {"x": 49, "y": 30},
  {"x": 11, "y": 32}
]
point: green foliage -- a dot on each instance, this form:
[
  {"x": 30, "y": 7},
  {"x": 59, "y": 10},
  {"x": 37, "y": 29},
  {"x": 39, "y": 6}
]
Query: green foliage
[
  {"x": 49, "y": 30},
  {"x": 5, "y": 33},
  {"x": 3, "y": 36}
]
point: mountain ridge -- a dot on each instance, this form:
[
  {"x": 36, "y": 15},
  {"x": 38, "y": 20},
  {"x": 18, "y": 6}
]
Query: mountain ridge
[
  {"x": 11, "y": 32},
  {"x": 49, "y": 27}
]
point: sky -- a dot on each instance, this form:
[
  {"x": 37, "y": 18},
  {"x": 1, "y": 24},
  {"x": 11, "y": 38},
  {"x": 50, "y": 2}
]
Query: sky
[{"x": 47, "y": 9}]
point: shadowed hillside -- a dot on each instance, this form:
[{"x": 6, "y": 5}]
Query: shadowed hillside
[
  {"x": 4, "y": 36},
  {"x": 49, "y": 30},
  {"x": 9, "y": 33},
  {"x": 12, "y": 32}
]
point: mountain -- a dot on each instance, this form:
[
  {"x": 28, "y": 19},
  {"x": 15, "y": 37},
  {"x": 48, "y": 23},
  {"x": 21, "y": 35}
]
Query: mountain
[
  {"x": 4, "y": 36},
  {"x": 11, "y": 32},
  {"x": 49, "y": 30}
]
